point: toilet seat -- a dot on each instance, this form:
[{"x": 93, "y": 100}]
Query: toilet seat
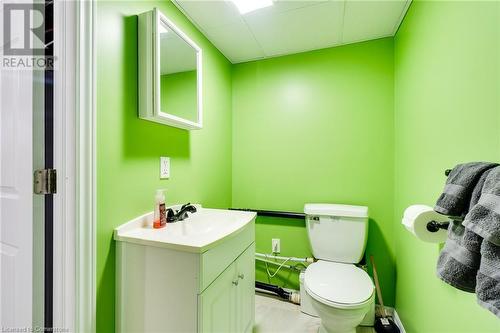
[{"x": 338, "y": 285}]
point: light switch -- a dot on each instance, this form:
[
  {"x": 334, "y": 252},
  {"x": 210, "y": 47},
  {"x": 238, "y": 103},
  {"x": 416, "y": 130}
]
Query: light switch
[{"x": 164, "y": 167}]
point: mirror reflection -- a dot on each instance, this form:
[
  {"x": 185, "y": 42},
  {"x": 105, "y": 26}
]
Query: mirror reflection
[{"x": 178, "y": 75}]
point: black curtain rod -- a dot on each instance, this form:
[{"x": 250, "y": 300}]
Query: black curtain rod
[{"x": 273, "y": 213}]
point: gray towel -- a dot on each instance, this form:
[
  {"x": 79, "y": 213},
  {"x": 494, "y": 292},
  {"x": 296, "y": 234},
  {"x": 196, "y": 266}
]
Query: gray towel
[
  {"x": 488, "y": 278},
  {"x": 459, "y": 261},
  {"x": 456, "y": 196},
  {"x": 478, "y": 189},
  {"x": 484, "y": 218}
]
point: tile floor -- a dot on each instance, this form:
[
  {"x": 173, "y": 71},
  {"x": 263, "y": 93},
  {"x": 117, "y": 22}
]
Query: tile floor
[{"x": 275, "y": 316}]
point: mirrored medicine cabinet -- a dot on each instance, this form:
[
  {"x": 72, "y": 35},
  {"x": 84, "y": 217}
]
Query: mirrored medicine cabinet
[{"x": 170, "y": 73}]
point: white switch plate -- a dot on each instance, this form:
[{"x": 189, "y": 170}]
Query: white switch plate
[
  {"x": 276, "y": 248},
  {"x": 164, "y": 167}
]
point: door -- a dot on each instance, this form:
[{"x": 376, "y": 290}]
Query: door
[
  {"x": 26, "y": 124},
  {"x": 16, "y": 195},
  {"x": 245, "y": 292},
  {"x": 218, "y": 303}
]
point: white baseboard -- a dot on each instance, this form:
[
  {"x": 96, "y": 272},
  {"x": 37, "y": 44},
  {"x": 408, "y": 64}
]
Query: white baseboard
[
  {"x": 398, "y": 322},
  {"x": 394, "y": 314}
]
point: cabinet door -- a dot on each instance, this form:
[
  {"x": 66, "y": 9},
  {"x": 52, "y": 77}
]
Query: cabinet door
[
  {"x": 245, "y": 291},
  {"x": 217, "y": 304}
]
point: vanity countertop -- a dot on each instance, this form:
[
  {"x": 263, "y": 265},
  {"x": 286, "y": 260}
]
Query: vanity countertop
[{"x": 198, "y": 233}]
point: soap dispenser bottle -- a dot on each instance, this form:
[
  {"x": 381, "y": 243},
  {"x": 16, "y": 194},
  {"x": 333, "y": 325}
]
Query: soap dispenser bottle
[{"x": 159, "y": 215}]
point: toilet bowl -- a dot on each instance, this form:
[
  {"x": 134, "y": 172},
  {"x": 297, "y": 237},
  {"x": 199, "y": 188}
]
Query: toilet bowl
[{"x": 342, "y": 294}]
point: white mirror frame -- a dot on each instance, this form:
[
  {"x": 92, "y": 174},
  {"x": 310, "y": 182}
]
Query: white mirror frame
[{"x": 149, "y": 72}]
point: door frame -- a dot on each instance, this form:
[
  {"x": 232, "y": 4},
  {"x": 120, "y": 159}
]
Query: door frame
[
  {"x": 75, "y": 160},
  {"x": 87, "y": 186}
]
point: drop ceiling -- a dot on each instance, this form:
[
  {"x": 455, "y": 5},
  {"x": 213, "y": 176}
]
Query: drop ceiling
[{"x": 290, "y": 26}]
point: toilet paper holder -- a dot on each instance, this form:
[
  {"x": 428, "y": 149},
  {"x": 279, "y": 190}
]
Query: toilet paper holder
[{"x": 434, "y": 226}]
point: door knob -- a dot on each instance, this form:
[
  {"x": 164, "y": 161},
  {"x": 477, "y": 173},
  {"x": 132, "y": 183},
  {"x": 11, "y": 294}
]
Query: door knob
[
  {"x": 241, "y": 276},
  {"x": 235, "y": 282}
]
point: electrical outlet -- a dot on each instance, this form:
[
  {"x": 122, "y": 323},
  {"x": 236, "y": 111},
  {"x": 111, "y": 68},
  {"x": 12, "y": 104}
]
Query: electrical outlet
[
  {"x": 164, "y": 167},
  {"x": 276, "y": 246}
]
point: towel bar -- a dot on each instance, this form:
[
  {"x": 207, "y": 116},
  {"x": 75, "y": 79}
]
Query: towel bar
[{"x": 434, "y": 226}]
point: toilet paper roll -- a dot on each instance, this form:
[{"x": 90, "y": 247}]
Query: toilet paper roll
[{"x": 415, "y": 220}]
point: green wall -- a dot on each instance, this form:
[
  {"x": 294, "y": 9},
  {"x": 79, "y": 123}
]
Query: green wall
[
  {"x": 317, "y": 127},
  {"x": 294, "y": 243},
  {"x": 179, "y": 95},
  {"x": 447, "y": 111},
  {"x": 128, "y": 148}
]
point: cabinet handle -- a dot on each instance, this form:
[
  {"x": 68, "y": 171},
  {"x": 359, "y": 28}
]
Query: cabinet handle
[
  {"x": 235, "y": 282},
  {"x": 241, "y": 276}
]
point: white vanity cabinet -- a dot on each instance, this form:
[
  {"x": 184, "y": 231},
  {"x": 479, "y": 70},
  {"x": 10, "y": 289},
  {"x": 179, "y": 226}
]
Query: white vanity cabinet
[{"x": 195, "y": 277}]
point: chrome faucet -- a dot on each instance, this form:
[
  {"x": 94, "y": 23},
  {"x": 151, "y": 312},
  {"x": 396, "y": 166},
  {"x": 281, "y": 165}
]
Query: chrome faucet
[{"x": 181, "y": 214}]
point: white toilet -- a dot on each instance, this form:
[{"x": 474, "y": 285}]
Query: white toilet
[{"x": 341, "y": 293}]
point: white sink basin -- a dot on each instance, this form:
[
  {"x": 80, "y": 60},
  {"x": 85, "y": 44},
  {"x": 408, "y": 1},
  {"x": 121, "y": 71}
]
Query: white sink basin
[{"x": 199, "y": 232}]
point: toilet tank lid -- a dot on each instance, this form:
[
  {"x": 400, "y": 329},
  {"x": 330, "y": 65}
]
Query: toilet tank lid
[{"x": 335, "y": 210}]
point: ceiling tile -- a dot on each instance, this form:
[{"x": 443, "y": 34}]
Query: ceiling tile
[
  {"x": 297, "y": 30},
  {"x": 235, "y": 41},
  {"x": 365, "y": 20},
  {"x": 210, "y": 14},
  {"x": 284, "y": 5},
  {"x": 291, "y": 26}
]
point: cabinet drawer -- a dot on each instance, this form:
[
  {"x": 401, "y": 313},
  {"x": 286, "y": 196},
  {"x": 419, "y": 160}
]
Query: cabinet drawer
[{"x": 214, "y": 261}]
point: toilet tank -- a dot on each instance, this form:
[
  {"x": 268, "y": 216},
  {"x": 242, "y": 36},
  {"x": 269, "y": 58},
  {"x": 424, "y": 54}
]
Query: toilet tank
[{"x": 337, "y": 232}]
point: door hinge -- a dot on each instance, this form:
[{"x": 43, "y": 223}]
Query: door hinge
[{"x": 45, "y": 181}]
